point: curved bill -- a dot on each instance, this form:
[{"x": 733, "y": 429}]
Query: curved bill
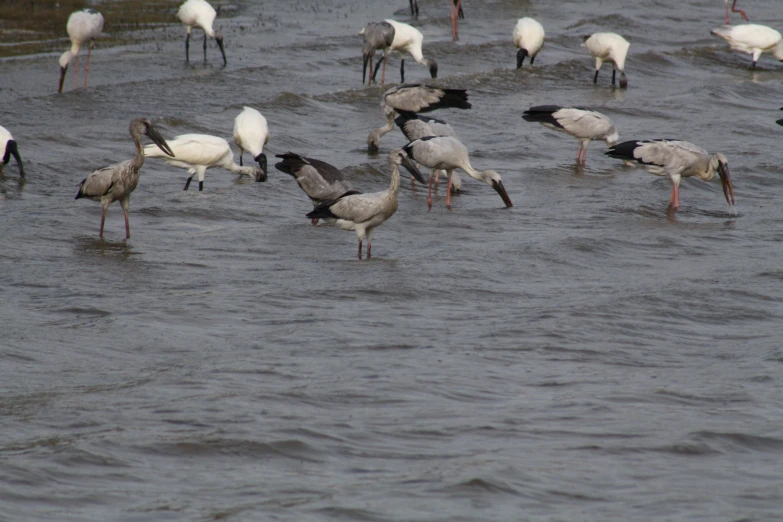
[
  {"x": 155, "y": 136},
  {"x": 521, "y": 57},
  {"x": 222, "y": 50},
  {"x": 433, "y": 69},
  {"x": 623, "y": 80},
  {"x": 261, "y": 159},
  {"x": 728, "y": 188},
  {"x": 63, "y": 70},
  {"x": 410, "y": 166},
  {"x": 498, "y": 186},
  {"x": 13, "y": 150}
]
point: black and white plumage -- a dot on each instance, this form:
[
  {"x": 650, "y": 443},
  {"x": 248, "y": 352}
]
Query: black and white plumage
[
  {"x": 611, "y": 47},
  {"x": 676, "y": 159},
  {"x": 8, "y": 148},
  {"x": 407, "y": 39},
  {"x": 199, "y": 13},
  {"x": 583, "y": 124},
  {"x": 199, "y": 152},
  {"x": 734, "y": 10},
  {"x": 448, "y": 153},
  {"x": 415, "y": 98},
  {"x": 251, "y": 133},
  {"x": 416, "y": 126},
  {"x": 83, "y": 26},
  {"x": 376, "y": 35},
  {"x": 364, "y": 212},
  {"x": 117, "y": 182},
  {"x": 528, "y": 37},
  {"x": 318, "y": 179},
  {"x": 752, "y": 39}
]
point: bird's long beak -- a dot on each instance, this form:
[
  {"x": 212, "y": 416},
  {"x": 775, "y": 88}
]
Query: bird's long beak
[
  {"x": 261, "y": 159},
  {"x": 623, "y": 80},
  {"x": 725, "y": 179},
  {"x": 521, "y": 57},
  {"x": 410, "y": 166},
  {"x": 155, "y": 136},
  {"x": 498, "y": 186},
  {"x": 62, "y": 78},
  {"x": 222, "y": 50},
  {"x": 434, "y": 70}
]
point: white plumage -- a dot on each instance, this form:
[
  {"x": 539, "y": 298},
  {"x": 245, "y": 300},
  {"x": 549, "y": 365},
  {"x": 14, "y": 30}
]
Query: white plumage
[
  {"x": 408, "y": 39},
  {"x": 364, "y": 212},
  {"x": 83, "y": 27},
  {"x": 8, "y": 148},
  {"x": 583, "y": 124},
  {"x": 199, "y": 13},
  {"x": 448, "y": 153},
  {"x": 676, "y": 159},
  {"x": 251, "y": 133},
  {"x": 199, "y": 152},
  {"x": 608, "y": 47},
  {"x": 752, "y": 39},
  {"x": 528, "y": 37}
]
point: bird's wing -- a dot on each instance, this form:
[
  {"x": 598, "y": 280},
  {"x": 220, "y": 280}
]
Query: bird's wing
[
  {"x": 318, "y": 188},
  {"x": 668, "y": 153},
  {"x": 584, "y": 123},
  {"x": 195, "y": 149},
  {"x": 357, "y": 207},
  {"x": 377, "y": 35},
  {"x": 422, "y": 98},
  {"x": 100, "y": 181}
]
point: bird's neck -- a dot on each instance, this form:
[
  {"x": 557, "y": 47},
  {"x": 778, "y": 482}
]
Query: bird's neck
[
  {"x": 138, "y": 159},
  {"x": 394, "y": 186}
]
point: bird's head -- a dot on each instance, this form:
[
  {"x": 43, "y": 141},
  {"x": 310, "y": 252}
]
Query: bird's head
[
  {"x": 374, "y": 140},
  {"x": 399, "y": 157},
  {"x": 144, "y": 126},
  {"x": 492, "y": 178},
  {"x": 65, "y": 60},
  {"x": 719, "y": 164},
  {"x": 433, "y": 65},
  {"x": 613, "y": 138},
  {"x": 521, "y": 57},
  {"x": 261, "y": 159}
]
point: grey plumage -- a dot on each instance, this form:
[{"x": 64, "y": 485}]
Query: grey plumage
[
  {"x": 676, "y": 159},
  {"x": 116, "y": 182},
  {"x": 416, "y": 126},
  {"x": 376, "y": 35},
  {"x": 583, "y": 124},
  {"x": 415, "y": 98}
]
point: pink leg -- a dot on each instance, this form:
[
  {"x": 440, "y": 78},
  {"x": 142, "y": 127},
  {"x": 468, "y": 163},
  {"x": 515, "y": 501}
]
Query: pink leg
[
  {"x": 369, "y": 79},
  {"x": 437, "y": 178},
  {"x": 735, "y": 10},
  {"x": 103, "y": 218},
  {"x": 429, "y": 195},
  {"x": 448, "y": 190},
  {"x": 578, "y": 153},
  {"x": 674, "y": 200},
  {"x": 87, "y": 67},
  {"x": 314, "y": 221},
  {"x": 127, "y": 225},
  {"x": 727, "y": 13},
  {"x": 454, "y": 13},
  {"x": 584, "y": 155},
  {"x": 75, "y": 72},
  {"x": 369, "y": 248},
  {"x": 360, "y": 249}
]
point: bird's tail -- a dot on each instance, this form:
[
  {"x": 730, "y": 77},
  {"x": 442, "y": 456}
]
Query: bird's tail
[
  {"x": 542, "y": 114},
  {"x": 623, "y": 151},
  {"x": 452, "y": 98}
]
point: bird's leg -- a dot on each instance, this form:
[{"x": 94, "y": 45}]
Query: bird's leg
[
  {"x": 437, "y": 178},
  {"x": 454, "y": 13},
  {"x": 87, "y": 67},
  {"x": 360, "y": 249},
  {"x": 124, "y": 204},
  {"x": 187, "y": 47},
  {"x": 674, "y": 200},
  {"x": 377, "y": 65},
  {"x": 614, "y": 72},
  {"x": 314, "y": 221},
  {"x": 103, "y": 218},
  {"x": 369, "y": 248},
  {"x": 735, "y": 10},
  {"x": 448, "y": 189},
  {"x": 370, "y": 78},
  {"x": 205, "y": 47},
  {"x": 383, "y": 74},
  {"x": 579, "y": 152},
  {"x": 402, "y": 71},
  {"x": 200, "y": 186},
  {"x": 75, "y": 72},
  {"x": 240, "y": 157},
  {"x": 429, "y": 194},
  {"x": 595, "y": 78},
  {"x": 187, "y": 183},
  {"x": 584, "y": 152}
]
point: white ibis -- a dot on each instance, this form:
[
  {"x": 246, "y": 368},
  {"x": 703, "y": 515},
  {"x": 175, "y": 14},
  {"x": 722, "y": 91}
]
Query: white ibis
[
  {"x": 448, "y": 153},
  {"x": 198, "y": 13},
  {"x": 752, "y": 39},
  {"x": 407, "y": 39},
  {"x": 456, "y": 13},
  {"x": 416, "y": 126},
  {"x": 117, "y": 182},
  {"x": 199, "y": 152},
  {"x": 364, "y": 212},
  {"x": 734, "y": 10},
  {"x": 583, "y": 124},
  {"x": 83, "y": 26},
  {"x": 9, "y": 148},
  {"x": 528, "y": 37},
  {"x": 251, "y": 133},
  {"x": 376, "y": 35},
  {"x": 415, "y": 98},
  {"x": 608, "y": 46},
  {"x": 676, "y": 159},
  {"x": 318, "y": 179}
]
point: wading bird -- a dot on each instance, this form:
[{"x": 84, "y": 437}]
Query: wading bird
[
  {"x": 528, "y": 37},
  {"x": 364, "y": 212},
  {"x": 734, "y": 10},
  {"x": 608, "y": 46},
  {"x": 583, "y": 124},
  {"x": 198, "y": 13},
  {"x": 251, "y": 133},
  {"x": 416, "y": 126},
  {"x": 407, "y": 39},
  {"x": 199, "y": 152},
  {"x": 83, "y": 26},
  {"x": 117, "y": 182},
  {"x": 445, "y": 152},
  {"x": 9, "y": 148},
  {"x": 752, "y": 39},
  {"x": 318, "y": 179},
  {"x": 376, "y": 35},
  {"x": 676, "y": 159},
  {"x": 415, "y": 98}
]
